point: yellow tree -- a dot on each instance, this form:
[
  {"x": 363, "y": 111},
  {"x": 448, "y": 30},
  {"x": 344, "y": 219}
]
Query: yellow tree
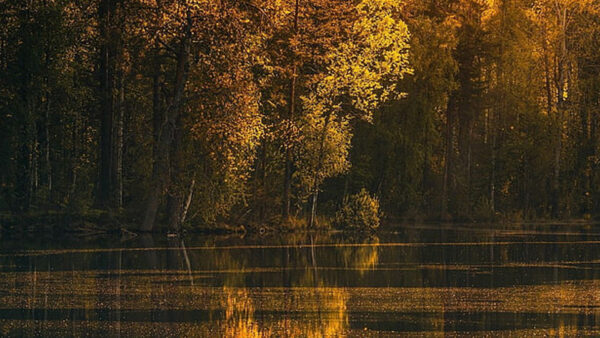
[
  {"x": 298, "y": 49},
  {"x": 362, "y": 72}
]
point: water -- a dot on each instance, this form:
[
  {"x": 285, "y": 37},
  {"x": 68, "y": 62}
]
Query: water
[{"x": 417, "y": 280}]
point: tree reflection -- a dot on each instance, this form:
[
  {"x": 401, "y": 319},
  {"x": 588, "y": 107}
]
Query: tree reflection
[
  {"x": 307, "y": 285},
  {"x": 312, "y": 304}
]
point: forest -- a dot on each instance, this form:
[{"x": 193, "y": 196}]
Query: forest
[{"x": 165, "y": 114}]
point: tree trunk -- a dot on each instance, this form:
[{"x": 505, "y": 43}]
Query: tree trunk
[
  {"x": 175, "y": 196},
  {"x": 493, "y": 164},
  {"x": 157, "y": 106},
  {"x": 24, "y": 179},
  {"x": 188, "y": 202},
  {"x": 287, "y": 179},
  {"x": 313, "y": 208},
  {"x": 48, "y": 163},
  {"x": 260, "y": 187},
  {"x": 447, "y": 163},
  {"x": 105, "y": 179},
  {"x": 287, "y": 184},
  {"x": 561, "y": 92},
  {"x": 152, "y": 205},
  {"x": 174, "y": 211},
  {"x": 470, "y": 166},
  {"x": 315, "y": 193},
  {"x": 117, "y": 171}
]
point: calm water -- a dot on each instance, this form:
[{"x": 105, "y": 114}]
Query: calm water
[{"x": 419, "y": 280}]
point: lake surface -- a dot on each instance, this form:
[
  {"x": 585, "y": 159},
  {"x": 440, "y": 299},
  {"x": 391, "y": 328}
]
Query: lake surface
[{"x": 415, "y": 280}]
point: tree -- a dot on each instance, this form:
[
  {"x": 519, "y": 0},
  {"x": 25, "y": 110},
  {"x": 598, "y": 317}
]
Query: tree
[
  {"x": 363, "y": 72},
  {"x": 111, "y": 94},
  {"x": 201, "y": 36}
]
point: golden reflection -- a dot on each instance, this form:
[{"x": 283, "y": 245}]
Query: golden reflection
[
  {"x": 363, "y": 258},
  {"x": 239, "y": 315},
  {"x": 322, "y": 313},
  {"x": 322, "y": 310},
  {"x": 299, "y": 287},
  {"x": 269, "y": 311}
]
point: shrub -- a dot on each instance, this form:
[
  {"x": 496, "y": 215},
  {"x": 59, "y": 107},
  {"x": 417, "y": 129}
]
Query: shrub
[{"x": 360, "y": 211}]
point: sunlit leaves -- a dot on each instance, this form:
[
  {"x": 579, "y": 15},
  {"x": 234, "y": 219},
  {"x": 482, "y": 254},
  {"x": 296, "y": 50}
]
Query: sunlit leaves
[{"x": 361, "y": 73}]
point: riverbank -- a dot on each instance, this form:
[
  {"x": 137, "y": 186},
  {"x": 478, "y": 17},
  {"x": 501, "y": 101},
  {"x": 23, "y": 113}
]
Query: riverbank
[{"x": 97, "y": 222}]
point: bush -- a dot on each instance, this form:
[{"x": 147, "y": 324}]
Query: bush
[{"x": 360, "y": 211}]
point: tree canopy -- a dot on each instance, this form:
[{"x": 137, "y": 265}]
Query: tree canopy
[{"x": 173, "y": 112}]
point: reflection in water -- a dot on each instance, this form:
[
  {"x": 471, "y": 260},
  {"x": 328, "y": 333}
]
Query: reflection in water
[
  {"x": 324, "y": 315},
  {"x": 542, "y": 280},
  {"x": 239, "y": 316},
  {"x": 324, "y": 308}
]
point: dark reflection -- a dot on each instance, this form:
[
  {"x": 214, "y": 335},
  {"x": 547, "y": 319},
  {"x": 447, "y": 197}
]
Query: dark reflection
[{"x": 532, "y": 280}]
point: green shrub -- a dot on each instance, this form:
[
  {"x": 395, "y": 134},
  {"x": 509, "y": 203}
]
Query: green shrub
[{"x": 360, "y": 211}]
